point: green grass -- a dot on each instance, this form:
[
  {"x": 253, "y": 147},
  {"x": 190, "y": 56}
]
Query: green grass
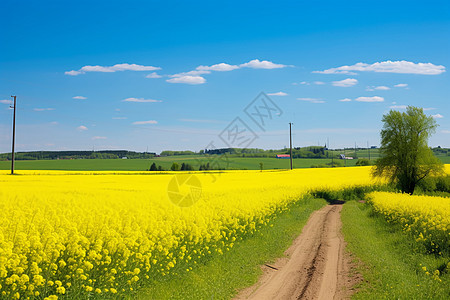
[
  {"x": 390, "y": 260},
  {"x": 144, "y": 164},
  {"x": 222, "y": 276}
]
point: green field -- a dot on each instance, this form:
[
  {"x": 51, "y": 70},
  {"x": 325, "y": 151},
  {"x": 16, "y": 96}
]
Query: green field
[
  {"x": 144, "y": 164},
  {"x": 241, "y": 163}
]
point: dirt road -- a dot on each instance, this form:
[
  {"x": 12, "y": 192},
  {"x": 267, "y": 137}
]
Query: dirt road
[{"x": 315, "y": 266}]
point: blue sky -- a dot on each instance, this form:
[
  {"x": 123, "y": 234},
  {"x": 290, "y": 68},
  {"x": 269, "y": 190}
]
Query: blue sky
[{"x": 175, "y": 75}]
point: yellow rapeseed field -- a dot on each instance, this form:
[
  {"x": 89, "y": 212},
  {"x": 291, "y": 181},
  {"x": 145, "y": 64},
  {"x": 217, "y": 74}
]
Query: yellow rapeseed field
[
  {"x": 427, "y": 218},
  {"x": 103, "y": 234}
]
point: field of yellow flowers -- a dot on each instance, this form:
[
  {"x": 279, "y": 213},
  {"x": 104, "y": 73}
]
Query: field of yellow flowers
[
  {"x": 105, "y": 234},
  {"x": 427, "y": 218}
]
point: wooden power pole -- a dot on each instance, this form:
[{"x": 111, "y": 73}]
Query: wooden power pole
[
  {"x": 13, "y": 136},
  {"x": 290, "y": 142}
]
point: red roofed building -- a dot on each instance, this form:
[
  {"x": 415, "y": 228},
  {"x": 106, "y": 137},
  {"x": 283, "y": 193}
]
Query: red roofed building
[{"x": 283, "y": 156}]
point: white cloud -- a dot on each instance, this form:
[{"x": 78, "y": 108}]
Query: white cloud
[
  {"x": 377, "y": 88},
  {"x": 264, "y": 64},
  {"x": 398, "y": 107},
  {"x": 401, "y": 85},
  {"x": 370, "y": 99},
  {"x": 222, "y": 67},
  {"x": 153, "y": 75},
  {"x": 82, "y": 128},
  {"x": 319, "y": 82},
  {"x": 429, "y": 108},
  {"x": 193, "y": 77},
  {"x": 145, "y": 122},
  {"x": 312, "y": 100},
  {"x": 111, "y": 69},
  {"x": 277, "y": 94},
  {"x": 79, "y": 97},
  {"x": 404, "y": 67},
  {"x": 142, "y": 100},
  {"x": 42, "y": 109},
  {"x": 304, "y": 83},
  {"x": 99, "y": 137},
  {"x": 119, "y": 118},
  {"x": 6, "y": 101},
  {"x": 188, "y": 79},
  {"x": 346, "y": 100},
  {"x": 73, "y": 73},
  {"x": 437, "y": 116},
  {"x": 346, "y": 82}
]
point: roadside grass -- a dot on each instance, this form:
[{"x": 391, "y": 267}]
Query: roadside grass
[
  {"x": 390, "y": 261},
  {"x": 221, "y": 277}
]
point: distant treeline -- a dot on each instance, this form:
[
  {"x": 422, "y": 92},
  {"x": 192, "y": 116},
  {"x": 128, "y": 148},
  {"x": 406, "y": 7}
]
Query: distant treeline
[
  {"x": 102, "y": 154},
  {"x": 297, "y": 152}
]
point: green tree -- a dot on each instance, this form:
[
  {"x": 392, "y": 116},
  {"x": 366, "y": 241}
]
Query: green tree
[
  {"x": 175, "y": 167},
  {"x": 153, "y": 167},
  {"x": 405, "y": 158}
]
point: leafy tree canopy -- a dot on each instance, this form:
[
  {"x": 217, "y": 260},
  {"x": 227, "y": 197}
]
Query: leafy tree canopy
[{"x": 405, "y": 157}]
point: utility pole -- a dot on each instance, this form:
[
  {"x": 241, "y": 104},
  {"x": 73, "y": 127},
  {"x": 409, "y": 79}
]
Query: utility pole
[
  {"x": 368, "y": 149},
  {"x": 355, "y": 151},
  {"x": 290, "y": 142},
  {"x": 345, "y": 158},
  {"x": 332, "y": 162},
  {"x": 14, "y": 135}
]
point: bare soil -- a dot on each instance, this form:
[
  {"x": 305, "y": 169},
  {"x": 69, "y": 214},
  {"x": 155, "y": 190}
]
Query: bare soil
[{"x": 316, "y": 266}]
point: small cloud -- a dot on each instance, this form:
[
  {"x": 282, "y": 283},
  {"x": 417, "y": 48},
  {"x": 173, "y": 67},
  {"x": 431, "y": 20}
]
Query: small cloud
[
  {"x": 401, "y": 85},
  {"x": 73, "y": 73},
  {"x": 346, "y": 82},
  {"x": 429, "y": 108},
  {"x": 222, "y": 67},
  {"x": 153, "y": 75},
  {"x": 188, "y": 79},
  {"x": 145, "y": 122},
  {"x": 142, "y": 100},
  {"x": 6, "y": 101},
  {"x": 119, "y": 118},
  {"x": 319, "y": 82},
  {"x": 82, "y": 128},
  {"x": 99, "y": 137},
  {"x": 111, "y": 69},
  {"x": 312, "y": 100},
  {"x": 381, "y": 88},
  {"x": 79, "y": 97},
  {"x": 403, "y": 67},
  {"x": 304, "y": 83},
  {"x": 398, "y": 106},
  {"x": 277, "y": 94},
  {"x": 370, "y": 99},
  {"x": 437, "y": 116},
  {"x": 264, "y": 64},
  {"x": 42, "y": 109},
  {"x": 345, "y": 100}
]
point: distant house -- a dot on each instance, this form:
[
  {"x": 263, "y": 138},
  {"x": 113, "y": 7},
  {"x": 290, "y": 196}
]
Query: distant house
[
  {"x": 342, "y": 156},
  {"x": 124, "y": 157},
  {"x": 283, "y": 156}
]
